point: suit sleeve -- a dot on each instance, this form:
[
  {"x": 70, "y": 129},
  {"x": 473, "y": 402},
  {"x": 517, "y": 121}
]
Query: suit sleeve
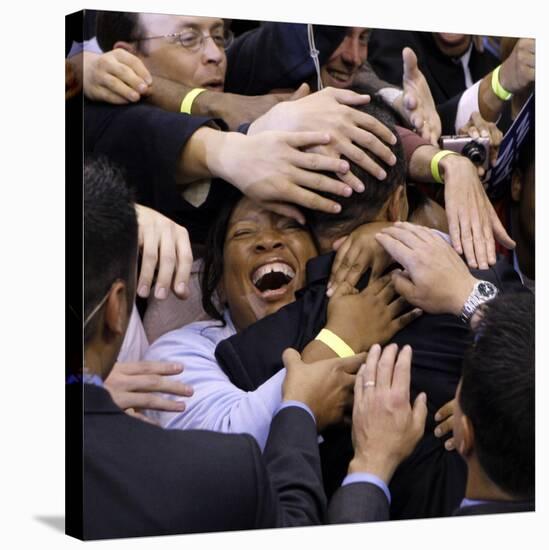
[
  {"x": 358, "y": 502},
  {"x": 276, "y": 55},
  {"x": 293, "y": 491}
]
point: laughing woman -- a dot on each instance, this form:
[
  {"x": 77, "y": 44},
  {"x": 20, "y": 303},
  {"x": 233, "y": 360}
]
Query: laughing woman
[{"x": 255, "y": 265}]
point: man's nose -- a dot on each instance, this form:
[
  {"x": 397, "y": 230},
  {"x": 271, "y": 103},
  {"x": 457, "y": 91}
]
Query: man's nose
[
  {"x": 211, "y": 52},
  {"x": 352, "y": 51}
]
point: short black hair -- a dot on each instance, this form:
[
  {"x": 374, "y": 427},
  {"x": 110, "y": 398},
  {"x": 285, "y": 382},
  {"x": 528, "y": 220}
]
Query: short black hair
[
  {"x": 362, "y": 207},
  {"x": 497, "y": 393},
  {"x": 110, "y": 234},
  {"x": 112, "y": 26}
]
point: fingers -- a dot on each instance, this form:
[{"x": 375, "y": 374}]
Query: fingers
[
  {"x": 348, "y": 97},
  {"x": 303, "y": 91},
  {"x": 296, "y": 194},
  {"x": 419, "y": 414},
  {"x": 166, "y": 265},
  {"x": 377, "y": 287},
  {"x": 385, "y": 367},
  {"x": 409, "y": 63},
  {"x": 155, "y": 402},
  {"x": 132, "y": 412},
  {"x": 133, "y": 62},
  {"x": 478, "y": 240},
  {"x": 348, "y": 149},
  {"x": 350, "y": 365},
  {"x": 344, "y": 289},
  {"x": 397, "y": 250},
  {"x": 149, "y": 258},
  {"x": 402, "y": 372},
  {"x": 444, "y": 427},
  {"x": 370, "y": 370},
  {"x": 184, "y": 263},
  {"x": 404, "y": 287},
  {"x": 307, "y": 139},
  {"x": 499, "y": 231},
  {"x": 467, "y": 238},
  {"x": 404, "y": 320},
  {"x": 352, "y": 181},
  {"x": 372, "y": 135},
  {"x": 149, "y": 367}
]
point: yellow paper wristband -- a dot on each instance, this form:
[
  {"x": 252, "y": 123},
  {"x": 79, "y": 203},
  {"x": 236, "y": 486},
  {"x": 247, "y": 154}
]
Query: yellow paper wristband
[
  {"x": 497, "y": 88},
  {"x": 335, "y": 343},
  {"x": 187, "y": 103},
  {"x": 434, "y": 164}
]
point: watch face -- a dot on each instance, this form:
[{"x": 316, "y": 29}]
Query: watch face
[{"x": 486, "y": 290}]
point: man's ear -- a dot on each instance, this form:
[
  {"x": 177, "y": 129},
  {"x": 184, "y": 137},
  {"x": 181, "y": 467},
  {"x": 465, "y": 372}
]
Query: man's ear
[
  {"x": 116, "y": 309},
  {"x": 125, "y": 46},
  {"x": 516, "y": 185},
  {"x": 397, "y": 205},
  {"x": 467, "y": 442}
]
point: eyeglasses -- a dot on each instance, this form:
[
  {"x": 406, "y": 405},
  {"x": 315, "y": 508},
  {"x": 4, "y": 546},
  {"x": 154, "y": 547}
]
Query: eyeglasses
[{"x": 193, "y": 40}]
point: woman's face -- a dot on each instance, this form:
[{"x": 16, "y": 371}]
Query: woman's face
[{"x": 264, "y": 261}]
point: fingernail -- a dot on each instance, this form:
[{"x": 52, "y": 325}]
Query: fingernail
[
  {"x": 176, "y": 368},
  {"x": 381, "y": 175},
  {"x": 347, "y": 191},
  {"x": 160, "y": 293},
  {"x": 393, "y": 139},
  {"x": 134, "y": 96},
  {"x": 360, "y": 187},
  {"x": 449, "y": 445},
  {"x": 329, "y": 293},
  {"x": 344, "y": 166},
  {"x": 180, "y": 406},
  {"x": 474, "y": 135},
  {"x": 437, "y": 417},
  {"x": 143, "y": 291},
  {"x": 142, "y": 87},
  {"x": 437, "y": 432},
  {"x": 180, "y": 288},
  {"x": 149, "y": 80},
  {"x": 393, "y": 160},
  {"x": 336, "y": 208},
  {"x": 484, "y": 133}
]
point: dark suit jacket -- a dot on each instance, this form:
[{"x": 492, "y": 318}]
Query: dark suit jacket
[
  {"x": 142, "y": 480},
  {"x": 431, "y": 482},
  {"x": 496, "y": 507},
  {"x": 444, "y": 75},
  {"x": 357, "y": 503}
]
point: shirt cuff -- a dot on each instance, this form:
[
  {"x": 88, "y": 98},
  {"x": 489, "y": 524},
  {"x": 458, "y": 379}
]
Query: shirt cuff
[
  {"x": 468, "y": 104},
  {"x": 290, "y": 403},
  {"x": 363, "y": 477}
]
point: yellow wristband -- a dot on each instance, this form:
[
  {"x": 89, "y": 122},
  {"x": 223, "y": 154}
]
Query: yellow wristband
[
  {"x": 187, "y": 103},
  {"x": 497, "y": 88},
  {"x": 434, "y": 164},
  {"x": 335, "y": 343}
]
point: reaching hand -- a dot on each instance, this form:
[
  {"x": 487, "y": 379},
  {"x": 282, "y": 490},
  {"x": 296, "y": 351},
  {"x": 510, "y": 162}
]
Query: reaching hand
[
  {"x": 518, "y": 71},
  {"x": 445, "y": 415},
  {"x": 164, "y": 245},
  {"x": 386, "y": 428},
  {"x": 416, "y": 103},
  {"x": 134, "y": 386},
  {"x": 325, "y": 386},
  {"x": 331, "y": 110},
  {"x": 436, "y": 279},
  {"x": 117, "y": 77},
  {"x": 356, "y": 253},
  {"x": 478, "y": 127},
  {"x": 472, "y": 220},
  {"x": 363, "y": 318},
  {"x": 271, "y": 169}
]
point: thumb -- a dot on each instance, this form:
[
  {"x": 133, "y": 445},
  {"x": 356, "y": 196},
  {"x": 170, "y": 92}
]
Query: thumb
[
  {"x": 338, "y": 242},
  {"x": 290, "y": 357},
  {"x": 303, "y": 91},
  {"x": 409, "y": 64},
  {"x": 419, "y": 414}
]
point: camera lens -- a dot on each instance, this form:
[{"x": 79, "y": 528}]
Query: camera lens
[{"x": 475, "y": 152}]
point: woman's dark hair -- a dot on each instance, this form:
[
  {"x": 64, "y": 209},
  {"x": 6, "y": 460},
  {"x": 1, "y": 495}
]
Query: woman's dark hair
[{"x": 212, "y": 269}]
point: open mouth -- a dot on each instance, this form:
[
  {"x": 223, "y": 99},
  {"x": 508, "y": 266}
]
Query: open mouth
[
  {"x": 340, "y": 76},
  {"x": 214, "y": 85},
  {"x": 272, "y": 279}
]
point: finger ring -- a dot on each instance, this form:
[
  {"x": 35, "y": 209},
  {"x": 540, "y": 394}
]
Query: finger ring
[{"x": 369, "y": 384}]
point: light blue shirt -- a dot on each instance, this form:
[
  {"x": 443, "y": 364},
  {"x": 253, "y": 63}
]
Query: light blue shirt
[{"x": 216, "y": 404}]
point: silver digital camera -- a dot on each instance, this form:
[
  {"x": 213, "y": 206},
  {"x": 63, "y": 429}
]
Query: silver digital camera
[{"x": 476, "y": 150}]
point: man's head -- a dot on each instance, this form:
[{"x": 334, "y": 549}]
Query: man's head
[
  {"x": 451, "y": 44},
  {"x": 494, "y": 415},
  {"x": 255, "y": 261},
  {"x": 110, "y": 255},
  {"x": 345, "y": 61},
  {"x": 380, "y": 201},
  {"x": 189, "y": 50}
]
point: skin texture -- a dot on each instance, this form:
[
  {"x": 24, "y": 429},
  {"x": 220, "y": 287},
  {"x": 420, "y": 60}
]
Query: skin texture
[
  {"x": 256, "y": 236},
  {"x": 344, "y": 63},
  {"x": 452, "y": 45},
  {"x": 165, "y": 57}
]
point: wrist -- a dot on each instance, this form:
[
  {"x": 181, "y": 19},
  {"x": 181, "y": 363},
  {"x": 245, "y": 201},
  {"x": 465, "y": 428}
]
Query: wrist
[
  {"x": 381, "y": 466},
  {"x": 352, "y": 341},
  {"x": 205, "y": 104},
  {"x": 462, "y": 294},
  {"x": 450, "y": 163}
]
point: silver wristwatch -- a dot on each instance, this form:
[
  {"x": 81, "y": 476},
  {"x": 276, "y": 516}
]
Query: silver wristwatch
[{"x": 482, "y": 292}]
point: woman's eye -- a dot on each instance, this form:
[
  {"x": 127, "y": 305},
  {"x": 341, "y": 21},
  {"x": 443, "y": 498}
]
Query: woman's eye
[{"x": 242, "y": 233}]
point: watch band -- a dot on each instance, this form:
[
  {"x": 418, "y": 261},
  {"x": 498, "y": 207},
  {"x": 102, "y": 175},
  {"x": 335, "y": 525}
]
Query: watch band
[{"x": 482, "y": 292}]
